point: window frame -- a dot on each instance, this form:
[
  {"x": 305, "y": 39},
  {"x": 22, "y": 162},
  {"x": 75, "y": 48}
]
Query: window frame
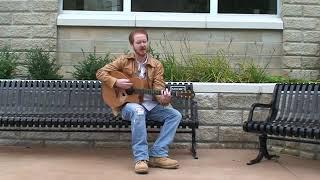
[{"x": 126, "y": 18}]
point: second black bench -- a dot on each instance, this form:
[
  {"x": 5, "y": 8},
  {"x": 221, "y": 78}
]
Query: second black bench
[{"x": 294, "y": 115}]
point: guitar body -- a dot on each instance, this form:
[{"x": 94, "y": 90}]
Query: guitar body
[{"x": 116, "y": 97}]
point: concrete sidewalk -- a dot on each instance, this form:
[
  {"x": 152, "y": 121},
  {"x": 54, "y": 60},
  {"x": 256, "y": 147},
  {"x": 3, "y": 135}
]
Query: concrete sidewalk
[{"x": 19, "y": 163}]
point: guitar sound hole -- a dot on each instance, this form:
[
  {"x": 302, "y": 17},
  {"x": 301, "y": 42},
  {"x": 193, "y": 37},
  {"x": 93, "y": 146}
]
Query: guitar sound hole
[{"x": 129, "y": 91}]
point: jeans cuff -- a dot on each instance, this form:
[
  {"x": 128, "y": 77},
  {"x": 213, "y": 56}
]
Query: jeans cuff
[
  {"x": 157, "y": 155},
  {"x": 140, "y": 159}
]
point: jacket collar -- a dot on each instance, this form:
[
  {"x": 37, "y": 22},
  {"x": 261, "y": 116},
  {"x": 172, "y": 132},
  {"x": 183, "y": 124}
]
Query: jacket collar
[{"x": 150, "y": 59}]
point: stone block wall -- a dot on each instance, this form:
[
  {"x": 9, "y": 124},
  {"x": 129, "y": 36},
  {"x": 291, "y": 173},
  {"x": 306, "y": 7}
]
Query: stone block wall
[
  {"x": 301, "y": 38},
  {"x": 26, "y": 24},
  {"x": 263, "y": 47}
]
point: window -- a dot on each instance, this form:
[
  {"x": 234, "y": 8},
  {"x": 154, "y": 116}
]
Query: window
[
  {"x": 247, "y": 6},
  {"x": 245, "y": 14},
  {"x": 181, "y": 6},
  {"x": 93, "y": 5},
  {"x": 177, "y": 6}
]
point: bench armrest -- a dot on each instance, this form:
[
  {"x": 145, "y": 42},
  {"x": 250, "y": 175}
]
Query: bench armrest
[{"x": 255, "y": 105}]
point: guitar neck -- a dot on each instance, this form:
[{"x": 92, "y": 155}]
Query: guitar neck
[
  {"x": 175, "y": 93},
  {"x": 147, "y": 91}
]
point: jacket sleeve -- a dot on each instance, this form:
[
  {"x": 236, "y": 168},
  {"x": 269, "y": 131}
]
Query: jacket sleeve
[{"x": 103, "y": 74}]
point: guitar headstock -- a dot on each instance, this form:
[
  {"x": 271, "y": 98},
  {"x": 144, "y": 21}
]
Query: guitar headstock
[{"x": 183, "y": 94}]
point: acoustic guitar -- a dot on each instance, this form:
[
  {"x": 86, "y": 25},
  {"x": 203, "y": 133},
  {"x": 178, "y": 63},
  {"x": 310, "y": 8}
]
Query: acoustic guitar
[{"x": 116, "y": 97}]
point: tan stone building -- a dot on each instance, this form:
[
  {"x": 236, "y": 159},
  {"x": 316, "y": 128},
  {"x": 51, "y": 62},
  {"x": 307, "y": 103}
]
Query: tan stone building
[{"x": 283, "y": 34}]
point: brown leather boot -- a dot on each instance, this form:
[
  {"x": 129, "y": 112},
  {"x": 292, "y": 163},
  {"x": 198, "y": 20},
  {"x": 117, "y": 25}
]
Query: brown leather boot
[
  {"x": 163, "y": 162},
  {"x": 141, "y": 167}
]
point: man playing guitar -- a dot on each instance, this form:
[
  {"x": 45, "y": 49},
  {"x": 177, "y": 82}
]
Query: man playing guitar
[{"x": 142, "y": 65}]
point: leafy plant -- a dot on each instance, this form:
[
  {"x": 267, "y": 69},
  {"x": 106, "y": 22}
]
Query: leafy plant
[
  {"x": 250, "y": 72},
  {"x": 41, "y": 66},
  {"x": 8, "y": 63},
  {"x": 211, "y": 69},
  {"x": 153, "y": 52},
  {"x": 281, "y": 79},
  {"x": 173, "y": 70},
  {"x": 86, "y": 69}
]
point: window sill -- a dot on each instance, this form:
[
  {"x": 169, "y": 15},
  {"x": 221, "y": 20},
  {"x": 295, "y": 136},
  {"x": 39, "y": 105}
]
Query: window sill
[{"x": 169, "y": 20}]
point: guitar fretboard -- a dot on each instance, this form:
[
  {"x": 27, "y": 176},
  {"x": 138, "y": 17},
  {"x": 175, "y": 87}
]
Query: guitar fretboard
[
  {"x": 186, "y": 94},
  {"x": 147, "y": 91}
]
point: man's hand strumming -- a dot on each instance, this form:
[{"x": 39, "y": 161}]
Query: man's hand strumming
[{"x": 123, "y": 83}]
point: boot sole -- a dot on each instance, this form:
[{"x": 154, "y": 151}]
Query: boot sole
[
  {"x": 175, "y": 166},
  {"x": 142, "y": 171}
]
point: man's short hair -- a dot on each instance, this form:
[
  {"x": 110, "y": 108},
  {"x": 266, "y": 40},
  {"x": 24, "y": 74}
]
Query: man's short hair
[{"x": 137, "y": 31}]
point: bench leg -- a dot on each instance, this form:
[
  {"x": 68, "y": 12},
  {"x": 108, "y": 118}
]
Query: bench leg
[
  {"x": 193, "y": 145},
  {"x": 263, "y": 151}
]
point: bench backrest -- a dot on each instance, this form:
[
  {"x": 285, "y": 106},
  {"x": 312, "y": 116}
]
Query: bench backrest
[
  {"x": 65, "y": 97},
  {"x": 296, "y": 102}
]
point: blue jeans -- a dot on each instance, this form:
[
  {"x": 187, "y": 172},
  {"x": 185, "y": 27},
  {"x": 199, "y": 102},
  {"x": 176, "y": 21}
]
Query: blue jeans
[{"x": 137, "y": 114}]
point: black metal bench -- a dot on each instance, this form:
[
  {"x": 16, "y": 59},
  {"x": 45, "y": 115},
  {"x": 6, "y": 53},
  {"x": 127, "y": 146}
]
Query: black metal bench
[
  {"x": 70, "y": 105},
  {"x": 294, "y": 115}
]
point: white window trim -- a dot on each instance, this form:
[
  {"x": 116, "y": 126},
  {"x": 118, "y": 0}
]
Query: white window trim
[{"x": 126, "y": 18}]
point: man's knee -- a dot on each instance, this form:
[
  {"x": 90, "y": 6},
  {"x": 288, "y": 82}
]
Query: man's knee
[
  {"x": 131, "y": 111},
  {"x": 139, "y": 111},
  {"x": 177, "y": 114},
  {"x": 139, "y": 114}
]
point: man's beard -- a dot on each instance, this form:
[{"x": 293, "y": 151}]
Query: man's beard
[{"x": 140, "y": 50}]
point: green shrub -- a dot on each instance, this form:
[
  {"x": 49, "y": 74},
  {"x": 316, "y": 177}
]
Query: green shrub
[
  {"x": 41, "y": 66},
  {"x": 281, "y": 79},
  {"x": 8, "y": 63},
  {"x": 207, "y": 68},
  {"x": 173, "y": 70},
  {"x": 210, "y": 69},
  {"x": 217, "y": 69},
  {"x": 86, "y": 69},
  {"x": 153, "y": 52},
  {"x": 252, "y": 73}
]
